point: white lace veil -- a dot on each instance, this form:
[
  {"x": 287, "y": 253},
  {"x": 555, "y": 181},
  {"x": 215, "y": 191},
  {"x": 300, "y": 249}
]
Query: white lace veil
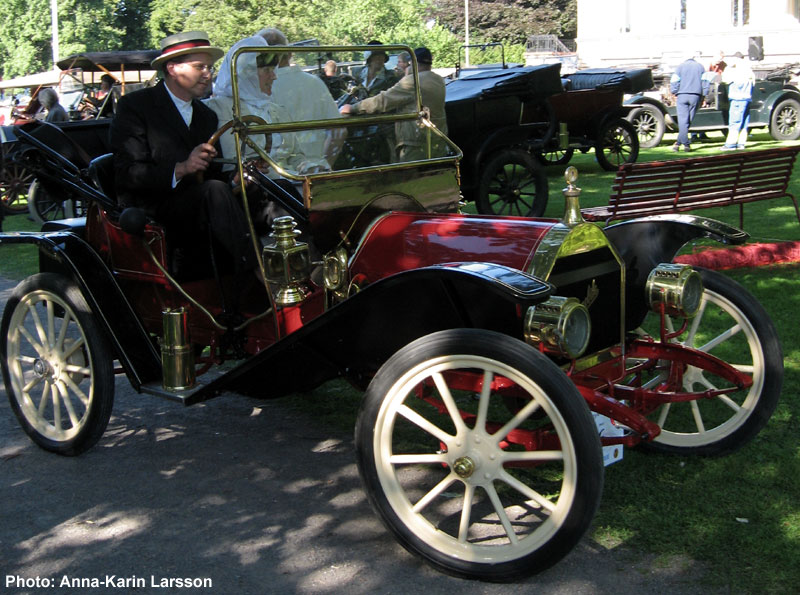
[{"x": 249, "y": 89}]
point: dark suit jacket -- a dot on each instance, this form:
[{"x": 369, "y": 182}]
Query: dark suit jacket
[{"x": 148, "y": 137}]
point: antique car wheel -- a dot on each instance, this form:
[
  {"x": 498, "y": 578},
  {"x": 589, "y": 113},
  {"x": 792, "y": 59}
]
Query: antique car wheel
[
  {"x": 512, "y": 183},
  {"x": 443, "y": 464},
  {"x": 732, "y": 325},
  {"x": 14, "y": 182},
  {"x": 648, "y": 121},
  {"x": 56, "y": 365},
  {"x": 555, "y": 156},
  {"x": 43, "y": 207},
  {"x": 616, "y": 144},
  {"x": 784, "y": 124}
]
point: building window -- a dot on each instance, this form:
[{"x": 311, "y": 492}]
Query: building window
[
  {"x": 683, "y": 14},
  {"x": 740, "y": 12},
  {"x": 794, "y": 8}
]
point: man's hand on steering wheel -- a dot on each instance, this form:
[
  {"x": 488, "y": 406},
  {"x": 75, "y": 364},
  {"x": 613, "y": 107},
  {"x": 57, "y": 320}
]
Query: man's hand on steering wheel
[{"x": 197, "y": 161}]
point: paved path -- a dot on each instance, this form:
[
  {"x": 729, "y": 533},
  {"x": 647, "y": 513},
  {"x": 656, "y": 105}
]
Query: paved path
[{"x": 248, "y": 494}]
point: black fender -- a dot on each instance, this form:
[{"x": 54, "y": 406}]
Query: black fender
[
  {"x": 65, "y": 253},
  {"x": 775, "y": 98},
  {"x": 646, "y": 242},
  {"x": 617, "y": 113},
  {"x": 355, "y": 337}
]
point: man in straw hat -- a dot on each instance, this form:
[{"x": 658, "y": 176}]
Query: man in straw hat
[{"x": 162, "y": 159}]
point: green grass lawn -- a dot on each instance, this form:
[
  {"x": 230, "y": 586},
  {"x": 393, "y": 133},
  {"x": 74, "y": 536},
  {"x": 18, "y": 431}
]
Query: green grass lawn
[{"x": 739, "y": 514}]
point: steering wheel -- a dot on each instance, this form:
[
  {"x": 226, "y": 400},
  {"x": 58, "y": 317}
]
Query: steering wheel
[{"x": 214, "y": 138}]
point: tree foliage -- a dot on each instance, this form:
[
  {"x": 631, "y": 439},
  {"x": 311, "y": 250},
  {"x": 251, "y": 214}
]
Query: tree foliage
[{"x": 101, "y": 25}]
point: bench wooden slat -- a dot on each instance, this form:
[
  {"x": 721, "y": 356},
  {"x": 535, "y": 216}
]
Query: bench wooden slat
[{"x": 657, "y": 187}]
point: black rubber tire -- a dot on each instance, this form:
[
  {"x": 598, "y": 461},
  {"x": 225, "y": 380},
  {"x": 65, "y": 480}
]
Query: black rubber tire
[
  {"x": 726, "y": 304},
  {"x": 75, "y": 368},
  {"x": 43, "y": 207},
  {"x": 512, "y": 183},
  {"x": 648, "y": 121},
  {"x": 555, "y": 156},
  {"x": 616, "y": 143},
  {"x": 386, "y": 429},
  {"x": 784, "y": 122}
]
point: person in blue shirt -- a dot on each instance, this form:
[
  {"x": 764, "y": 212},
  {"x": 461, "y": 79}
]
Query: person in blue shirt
[
  {"x": 689, "y": 88},
  {"x": 740, "y": 79}
]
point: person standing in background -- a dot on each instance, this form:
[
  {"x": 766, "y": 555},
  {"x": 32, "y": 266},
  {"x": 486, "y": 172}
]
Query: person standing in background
[
  {"x": 739, "y": 77},
  {"x": 688, "y": 86}
]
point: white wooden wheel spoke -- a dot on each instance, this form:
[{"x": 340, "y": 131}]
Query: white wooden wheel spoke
[
  {"x": 38, "y": 346},
  {"x": 662, "y": 417},
  {"x": 56, "y": 406},
  {"x": 77, "y": 390},
  {"x": 698, "y": 318},
  {"x": 501, "y": 513},
  {"x": 449, "y": 402},
  {"x": 418, "y": 459},
  {"x": 32, "y": 383},
  {"x": 44, "y": 398},
  {"x": 533, "y": 455},
  {"x": 733, "y": 405},
  {"x": 527, "y": 491},
  {"x": 62, "y": 332},
  {"x": 423, "y": 423},
  {"x": 745, "y": 368},
  {"x": 698, "y": 418},
  {"x": 75, "y": 369},
  {"x": 483, "y": 401},
  {"x": 73, "y": 348},
  {"x": 73, "y": 418},
  {"x": 515, "y": 421},
  {"x": 721, "y": 338},
  {"x": 434, "y": 493},
  {"x": 466, "y": 512},
  {"x": 37, "y": 322}
]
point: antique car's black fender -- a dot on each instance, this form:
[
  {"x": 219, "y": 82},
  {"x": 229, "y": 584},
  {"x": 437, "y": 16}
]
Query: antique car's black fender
[
  {"x": 355, "y": 337},
  {"x": 66, "y": 253},
  {"x": 646, "y": 242}
]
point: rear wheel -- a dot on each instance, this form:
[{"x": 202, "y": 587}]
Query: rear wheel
[
  {"x": 733, "y": 326},
  {"x": 56, "y": 365},
  {"x": 784, "y": 124},
  {"x": 512, "y": 183},
  {"x": 648, "y": 121},
  {"x": 477, "y": 488},
  {"x": 616, "y": 144},
  {"x": 14, "y": 182},
  {"x": 42, "y": 206}
]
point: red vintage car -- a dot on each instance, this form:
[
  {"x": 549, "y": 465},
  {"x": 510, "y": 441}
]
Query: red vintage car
[{"x": 501, "y": 358}]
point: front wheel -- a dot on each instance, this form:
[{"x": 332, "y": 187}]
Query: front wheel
[
  {"x": 56, "y": 365},
  {"x": 512, "y": 183},
  {"x": 733, "y": 326},
  {"x": 479, "y": 454},
  {"x": 617, "y": 143},
  {"x": 648, "y": 121},
  {"x": 784, "y": 123},
  {"x": 555, "y": 156}
]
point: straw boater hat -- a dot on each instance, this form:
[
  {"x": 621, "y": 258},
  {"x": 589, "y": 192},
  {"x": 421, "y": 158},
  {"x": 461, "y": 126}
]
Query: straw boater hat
[{"x": 180, "y": 44}]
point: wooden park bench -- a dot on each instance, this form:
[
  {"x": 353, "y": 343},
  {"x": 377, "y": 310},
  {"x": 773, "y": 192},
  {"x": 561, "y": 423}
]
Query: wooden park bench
[{"x": 735, "y": 178}]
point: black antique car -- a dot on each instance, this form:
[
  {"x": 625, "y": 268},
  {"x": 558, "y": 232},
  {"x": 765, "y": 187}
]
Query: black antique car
[
  {"x": 592, "y": 115},
  {"x": 490, "y": 349},
  {"x": 500, "y": 117},
  {"x": 775, "y": 106}
]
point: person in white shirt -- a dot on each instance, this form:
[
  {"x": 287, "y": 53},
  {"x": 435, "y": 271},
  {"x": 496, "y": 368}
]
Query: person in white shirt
[{"x": 304, "y": 97}]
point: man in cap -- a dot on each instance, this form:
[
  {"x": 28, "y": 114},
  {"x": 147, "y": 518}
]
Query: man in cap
[
  {"x": 411, "y": 142},
  {"x": 162, "y": 160}
]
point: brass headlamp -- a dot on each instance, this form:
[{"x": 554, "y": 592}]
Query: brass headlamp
[
  {"x": 560, "y": 326},
  {"x": 678, "y": 287}
]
